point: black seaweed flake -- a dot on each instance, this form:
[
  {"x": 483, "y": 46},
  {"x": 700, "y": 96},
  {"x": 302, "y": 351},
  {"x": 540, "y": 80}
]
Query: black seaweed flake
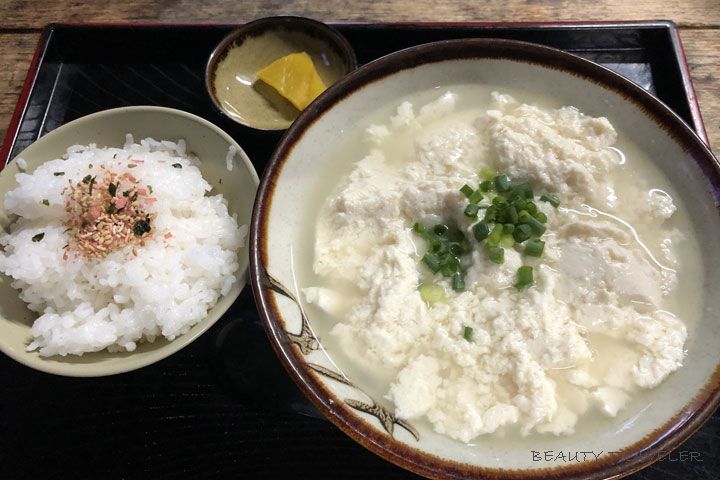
[
  {"x": 141, "y": 227},
  {"x": 91, "y": 183},
  {"x": 45, "y": 202},
  {"x": 177, "y": 165},
  {"x": 112, "y": 189},
  {"x": 59, "y": 174},
  {"x": 38, "y": 237}
]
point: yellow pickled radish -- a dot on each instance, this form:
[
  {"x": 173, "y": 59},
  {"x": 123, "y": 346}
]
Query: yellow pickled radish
[{"x": 295, "y": 78}]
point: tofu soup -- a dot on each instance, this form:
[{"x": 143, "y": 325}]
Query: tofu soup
[{"x": 491, "y": 265}]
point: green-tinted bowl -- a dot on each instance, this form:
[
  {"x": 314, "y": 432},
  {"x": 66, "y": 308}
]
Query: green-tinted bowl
[
  {"x": 255, "y": 45},
  {"x": 108, "y": 128}
]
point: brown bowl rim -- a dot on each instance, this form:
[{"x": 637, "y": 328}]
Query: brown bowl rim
[
  {"x": 652, "y": 447},
  {"x": 308, "y": 25}
]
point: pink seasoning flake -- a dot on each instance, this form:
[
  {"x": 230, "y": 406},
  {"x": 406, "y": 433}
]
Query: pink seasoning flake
[
  {"x": 129, "y": 177},
  {"x": 121, "y": 202},
  {"x": 95, "y": 212}
]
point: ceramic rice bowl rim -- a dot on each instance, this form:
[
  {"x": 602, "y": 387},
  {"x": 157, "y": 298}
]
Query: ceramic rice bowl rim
[
  {"x": 630, "y": 459},
  {"x": 162, "y": 351}
]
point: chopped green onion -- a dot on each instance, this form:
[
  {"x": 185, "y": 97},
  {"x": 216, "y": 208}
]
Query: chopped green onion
[
  {"x": 541, "y": 217},
  {"x": 511, "y": 215},
  {"x": 458, "y": 282},
  {"x": 467, "y": 333},
  {"x": 436, "y": 246},
  {"x": 481, "y": 230},
  {"x": 502, "y": 183},
  {"x": 513, "y": 195},
  {"x": 457, "y": 248},
  {"x": 449, "y": 264},
  {"x": 490, "y": 214},
  {"x": 487, "y": 173},
  {"x": 487, "y": 186},
  {"x": 499, "y": 201},
  {"x": 522, "y": 232},
  {"x": 507, "y": 241},
  {"x": 496, "y": 255},
  {"x": 45, "y": 202},
  {"x": 38, "y": 237},
  {"x": 475, "y": 197},
  {"x": 537, "y": 227},
  {"x": 522, "y": 186},
  {"x": 508, "y": 228},
  {"x": 534, "y": 247},
  {"x": 524, "y": 276},
  {"x": 551, "y": 199},
  {"x": 466, "y": 190},
  {"x": 440, "y": 229},
  {"x": 472, "y": 210},
  {"x": 432, "y": 261},
  {"x": 531, "y": 208},
  {"x": 432, "y": 293},
  {"x": 523, "y": 216},
  {"x": 418, "y": 228},
  {"x": 495, "y": 235}
]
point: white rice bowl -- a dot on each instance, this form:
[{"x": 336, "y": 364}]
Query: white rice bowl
[{"x": 161, "y": 289}]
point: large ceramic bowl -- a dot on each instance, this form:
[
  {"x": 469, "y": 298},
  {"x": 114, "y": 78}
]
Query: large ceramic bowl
[
  {"x": 296, "y": 177},
  {"x": 108, "y": 128}
]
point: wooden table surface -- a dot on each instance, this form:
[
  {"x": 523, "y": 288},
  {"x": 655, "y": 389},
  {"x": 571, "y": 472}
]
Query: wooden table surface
[{"x": 698, "y": 20}]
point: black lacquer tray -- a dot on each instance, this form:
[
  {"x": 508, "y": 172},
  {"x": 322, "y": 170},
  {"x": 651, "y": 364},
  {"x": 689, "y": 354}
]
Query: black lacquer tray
[{"x": 223, "y": 407}]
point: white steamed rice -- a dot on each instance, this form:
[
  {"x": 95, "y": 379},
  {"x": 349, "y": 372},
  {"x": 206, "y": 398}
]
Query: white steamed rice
[{"x": 88, "y": 305}]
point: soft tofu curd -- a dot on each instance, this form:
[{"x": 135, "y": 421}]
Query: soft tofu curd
[{"x": 588, "y": 334}]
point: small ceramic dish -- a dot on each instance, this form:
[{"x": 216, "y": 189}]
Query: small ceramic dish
[
  {"x": 231, "y": 73},
  {"x": 320, "y": 142},
  {"x": 108, "y": 128}
]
